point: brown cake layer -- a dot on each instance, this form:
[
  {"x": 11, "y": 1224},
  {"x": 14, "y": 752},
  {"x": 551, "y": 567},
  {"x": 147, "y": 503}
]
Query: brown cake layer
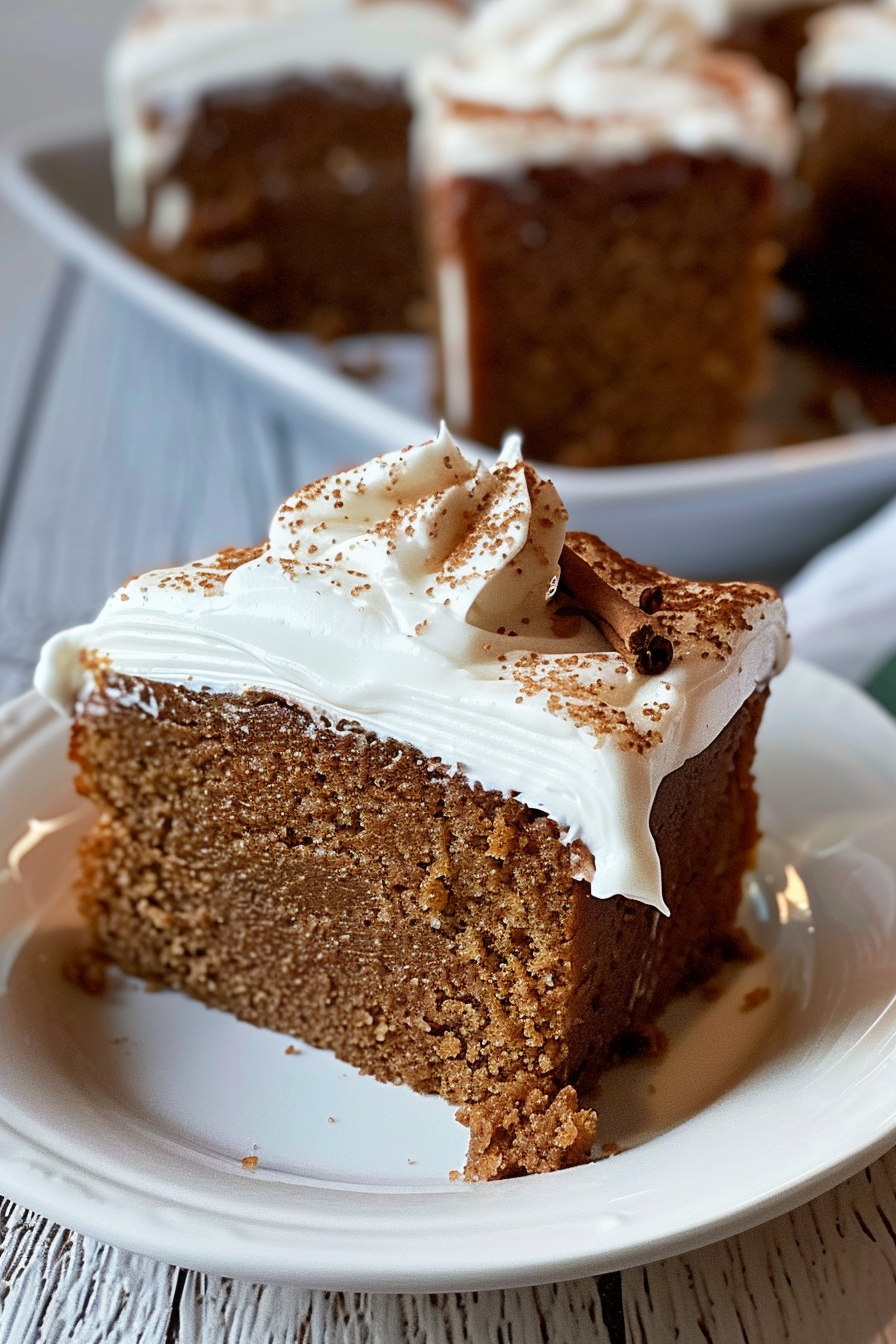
[
  {"x": 615, "y": 311},
  {"x": 844, "y": 244},
  {"x": 314, "y": 879},
  {"x": 302, "y": 216}
]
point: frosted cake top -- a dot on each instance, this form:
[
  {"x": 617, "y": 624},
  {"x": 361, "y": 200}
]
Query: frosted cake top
[
  {"x": 549, "y": 81},
  {"x": 417, "y": 595}
]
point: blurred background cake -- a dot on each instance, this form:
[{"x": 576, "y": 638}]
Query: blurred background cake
[
  {"x": 600, "y": 203},
  {"x": 843, "y": 241},
  {"x": 591, "y": 229},
  {"x": 260, "y": 153}
]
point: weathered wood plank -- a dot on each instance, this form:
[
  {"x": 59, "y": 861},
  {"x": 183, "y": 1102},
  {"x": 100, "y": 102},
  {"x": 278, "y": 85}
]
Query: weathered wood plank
[
  {"x": 141, "y": 440},
  {"x": 57, "y": 1287},
  {"x": 825, "y": 1274},
  {"x": 27, "y": 264},
  {"x": 214, "y": 1310}
]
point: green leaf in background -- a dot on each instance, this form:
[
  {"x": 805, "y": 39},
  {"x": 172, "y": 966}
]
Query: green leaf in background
[{"x": 883, "y": 686}]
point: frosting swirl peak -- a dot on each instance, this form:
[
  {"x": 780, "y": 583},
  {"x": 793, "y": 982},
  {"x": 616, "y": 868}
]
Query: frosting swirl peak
[
  {"x": 423, "y": 529},
  {"x": 547, "y": 52}
]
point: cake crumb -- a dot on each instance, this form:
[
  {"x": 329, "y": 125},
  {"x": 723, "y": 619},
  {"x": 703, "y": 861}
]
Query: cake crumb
[
  {"x": 88, "y": 970},
  {"x": 292, "y": 1050},
  {"x": 250, "y": 1162},
  {"x": 650, "y": 1043},
  {"x": 330, "y": 1120},
  {"x": 738, "y": 946},
  {"x": 524, "y": 1128},
  {"x": 454, "y": 1175},
  {"x": 755, "y": 998}
]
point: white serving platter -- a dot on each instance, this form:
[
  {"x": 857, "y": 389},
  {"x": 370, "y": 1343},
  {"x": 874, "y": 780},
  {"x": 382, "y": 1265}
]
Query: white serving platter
[
  {"x": 756, "y": 514},
  {"x": 127, "y": 1115}
]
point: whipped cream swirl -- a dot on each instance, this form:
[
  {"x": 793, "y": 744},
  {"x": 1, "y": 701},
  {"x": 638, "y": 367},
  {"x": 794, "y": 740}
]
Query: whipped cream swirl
[
  {"x": 594, "y": 79},
  {"x": 414, "y": 596},
  {"x": 175, "y": 51},
  {"x": 530, "y": 54}
]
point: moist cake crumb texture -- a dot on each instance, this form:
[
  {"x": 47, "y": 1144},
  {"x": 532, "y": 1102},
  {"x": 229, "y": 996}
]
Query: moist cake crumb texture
[
  {"x": 346, "y": 890},
  {"x": 600, "y": 207}
]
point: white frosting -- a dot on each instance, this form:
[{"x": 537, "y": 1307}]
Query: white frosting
[
  {"x": 412, "y": 596},
  {"x": 540, "y": 82},
  {"x": 712, "y": 17},
  {"x": 175, "y": 51},
  {"x": 850, "y": 44}
]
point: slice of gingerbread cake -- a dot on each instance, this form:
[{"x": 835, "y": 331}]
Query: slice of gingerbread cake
[
  {"x": 427, "y": 781},
  {"x": 600, "y": 202},
  {"x": 260, "y": 154}
]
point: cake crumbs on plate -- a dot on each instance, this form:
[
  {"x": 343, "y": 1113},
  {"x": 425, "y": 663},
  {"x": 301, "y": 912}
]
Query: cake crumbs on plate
[
  {"x": 88, "y": 970},
  {"x": 755, "y": 998},
  {"x": 650, "y": 1042}
]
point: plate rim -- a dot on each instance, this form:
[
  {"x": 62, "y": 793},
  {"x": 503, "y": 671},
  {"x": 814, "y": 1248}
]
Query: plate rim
[
  {"x": 357, "y": 411},
  {"x": 99, "y": 1204}
]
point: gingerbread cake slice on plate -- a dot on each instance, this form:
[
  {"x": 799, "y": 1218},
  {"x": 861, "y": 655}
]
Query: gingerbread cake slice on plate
[
  {"x": 426, "y": 781},
  {"x": 600, "y": 191}
]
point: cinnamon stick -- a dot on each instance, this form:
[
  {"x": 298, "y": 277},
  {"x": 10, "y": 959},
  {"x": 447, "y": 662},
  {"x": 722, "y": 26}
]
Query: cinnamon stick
[{"x": 619, "y": 621}]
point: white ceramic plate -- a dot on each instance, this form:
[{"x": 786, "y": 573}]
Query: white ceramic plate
[
  {"x": 760, "y": 514},
  {"x": 126, "y": 1116}
]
